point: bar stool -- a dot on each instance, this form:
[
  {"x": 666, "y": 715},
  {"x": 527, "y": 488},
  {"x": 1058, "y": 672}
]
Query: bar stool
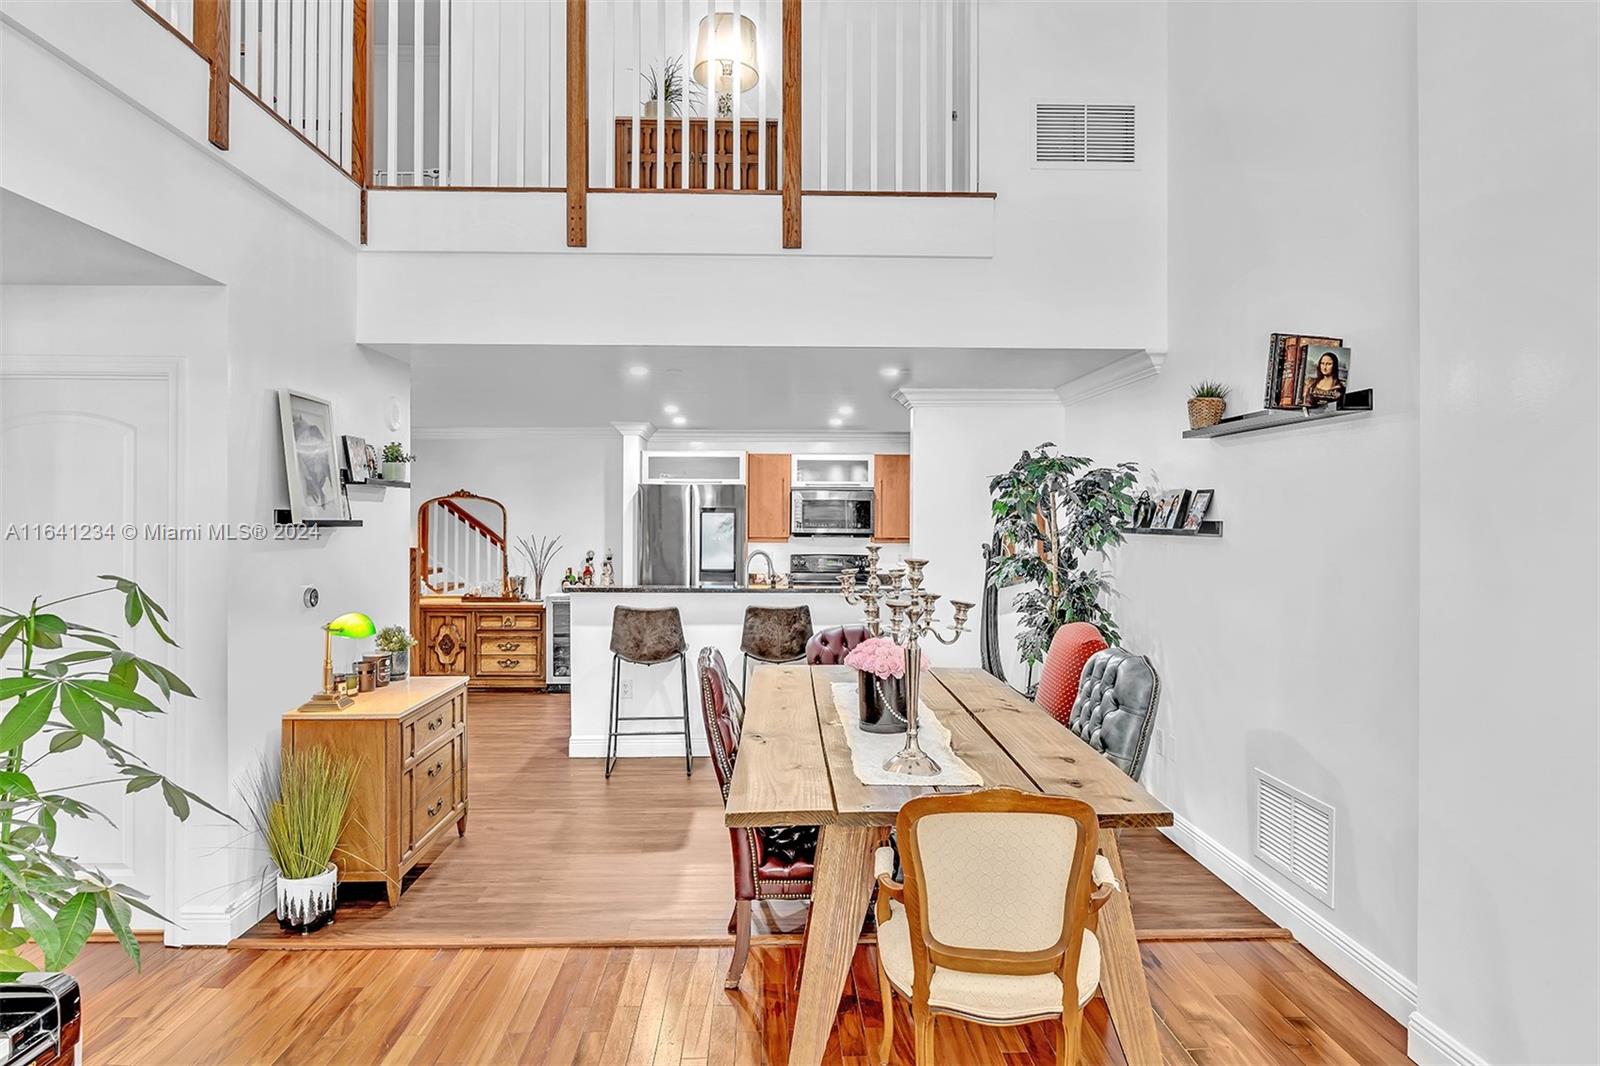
[
  {"x": 646, "y": 638},
  {"x": 774, "y": 635}
]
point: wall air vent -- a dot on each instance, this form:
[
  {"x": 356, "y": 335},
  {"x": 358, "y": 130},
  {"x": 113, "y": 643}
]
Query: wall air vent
[
  {"x": 1294, "y": 835},
  {"x": 1083, "y": 136}
]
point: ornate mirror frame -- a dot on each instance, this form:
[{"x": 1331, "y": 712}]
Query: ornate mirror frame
[{"x": 425, "y": 568}]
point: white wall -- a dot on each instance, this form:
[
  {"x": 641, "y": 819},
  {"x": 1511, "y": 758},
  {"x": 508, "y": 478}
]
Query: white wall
[
  {"x": 956, "y": 447},
  {"x": 1291, "y": 643},
  {"x": 123, "y": 153},
  {"x": 1510, "y": 813}
]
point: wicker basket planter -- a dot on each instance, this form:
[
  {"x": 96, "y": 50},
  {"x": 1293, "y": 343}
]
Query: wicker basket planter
[{"x": 1206, "y": 411}]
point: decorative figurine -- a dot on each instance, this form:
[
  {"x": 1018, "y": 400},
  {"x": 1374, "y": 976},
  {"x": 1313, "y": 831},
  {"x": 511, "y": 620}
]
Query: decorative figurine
[
  {"x": 569, "y": 579},
  {"x": 608, "y": 573},
  {"x": 588, "y": 568}
]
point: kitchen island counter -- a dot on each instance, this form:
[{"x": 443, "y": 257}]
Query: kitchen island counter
[{"x": 708, "y": 621}]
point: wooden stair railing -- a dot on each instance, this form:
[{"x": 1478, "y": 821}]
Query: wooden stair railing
[{"x": 456, "y": 511}]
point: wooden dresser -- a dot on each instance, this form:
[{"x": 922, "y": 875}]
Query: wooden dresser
[
  {"x": 495, "y": 643},
  {"x": 410, "y": 741}
]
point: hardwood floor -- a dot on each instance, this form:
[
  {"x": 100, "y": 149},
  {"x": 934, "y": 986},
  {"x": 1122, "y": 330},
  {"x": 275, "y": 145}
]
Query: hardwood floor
[
  {"x": 557, "y": 855},
  {"x": 1241, "y": 1001}
]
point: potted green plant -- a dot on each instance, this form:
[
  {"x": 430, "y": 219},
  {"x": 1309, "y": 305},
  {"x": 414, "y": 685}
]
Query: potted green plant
[
  {"x": 300, "y": 808},
  {"x": 396, "y": 462},
  {"x": 398, "y": 643},
  {"x": 49, "y": 706},
  {"x": 1207, "y": 401},
  {"x": 1053, "y": 512}
]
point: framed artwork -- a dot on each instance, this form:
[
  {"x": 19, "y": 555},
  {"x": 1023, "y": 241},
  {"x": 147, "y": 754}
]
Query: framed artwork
[
  {"x": 1199, "y": 504},
  {"x": 1327, "y": 375},
  {"x": 310, "y": 457},
  {"x": 1170, "y": 508},
  {"x": 372, "y": 462},
  {"x": 1288, "y": 367},
  {"x": 355, "y": 459}
]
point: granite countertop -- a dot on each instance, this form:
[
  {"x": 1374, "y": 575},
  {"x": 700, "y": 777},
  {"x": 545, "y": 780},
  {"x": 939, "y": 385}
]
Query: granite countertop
[{"x": 760, "y": 590}]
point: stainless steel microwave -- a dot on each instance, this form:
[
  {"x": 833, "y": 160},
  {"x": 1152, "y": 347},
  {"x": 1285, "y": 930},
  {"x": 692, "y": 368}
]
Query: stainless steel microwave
[{"x": 831, "y": 513}]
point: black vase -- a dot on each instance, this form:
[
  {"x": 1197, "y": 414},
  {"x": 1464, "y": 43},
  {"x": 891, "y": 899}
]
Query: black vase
[{"x": 883, "y": 703}]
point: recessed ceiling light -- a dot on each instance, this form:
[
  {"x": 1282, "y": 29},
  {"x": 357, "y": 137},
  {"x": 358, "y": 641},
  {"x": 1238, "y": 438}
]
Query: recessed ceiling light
[
  {"x": 835, "y": 422},
  {"x": 670, "y": 408},
  {"x": 890, "y": 371},
  {"x": 679, "y": 420},
  {"x": 846, "y": 411},
  {"x": 638, "y": 371}
]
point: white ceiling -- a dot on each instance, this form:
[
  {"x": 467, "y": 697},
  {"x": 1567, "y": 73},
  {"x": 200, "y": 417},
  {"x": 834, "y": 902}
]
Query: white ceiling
[
  {"x": 39, "y": 246},
  {"x": 765, "y": 389}
]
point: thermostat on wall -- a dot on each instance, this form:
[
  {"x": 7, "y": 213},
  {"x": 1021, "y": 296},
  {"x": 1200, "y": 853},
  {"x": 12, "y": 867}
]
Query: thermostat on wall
[{"x": 309, "y": 596}]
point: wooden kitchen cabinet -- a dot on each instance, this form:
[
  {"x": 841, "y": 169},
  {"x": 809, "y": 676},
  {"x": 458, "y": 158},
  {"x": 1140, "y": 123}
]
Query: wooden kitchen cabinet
[
  {"x": 767, "y": 496},
  {"x": 891, "y": 510}
]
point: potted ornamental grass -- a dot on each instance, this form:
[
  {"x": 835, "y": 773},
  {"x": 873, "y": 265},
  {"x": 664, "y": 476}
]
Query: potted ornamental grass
[
  {"x": 398, "y": 642},
  {"x": 300, "y": 808},
  {"x": 69, "y": 685},
  {"x": 880, "y": 664}
]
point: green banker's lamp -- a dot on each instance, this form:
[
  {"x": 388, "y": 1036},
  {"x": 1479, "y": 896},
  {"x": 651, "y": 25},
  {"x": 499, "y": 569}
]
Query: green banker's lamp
[{"x": 353, "y": 625}]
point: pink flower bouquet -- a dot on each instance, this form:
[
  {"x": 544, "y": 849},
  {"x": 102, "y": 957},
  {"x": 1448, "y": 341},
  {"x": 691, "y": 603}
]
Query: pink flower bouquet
[{"x": 881, "y": 657}]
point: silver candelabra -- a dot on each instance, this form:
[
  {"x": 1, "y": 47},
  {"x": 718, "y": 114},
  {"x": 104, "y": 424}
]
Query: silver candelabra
[{"x": 911, "y": 619}]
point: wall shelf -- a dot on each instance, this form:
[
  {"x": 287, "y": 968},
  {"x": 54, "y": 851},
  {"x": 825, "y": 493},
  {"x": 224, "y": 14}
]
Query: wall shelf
[
  {"x": 1355, "y": 403},
  {"x": 281, "y": 516},
  {"x": 374, "y": 482},
  {"x": 1208, "y": 528}
]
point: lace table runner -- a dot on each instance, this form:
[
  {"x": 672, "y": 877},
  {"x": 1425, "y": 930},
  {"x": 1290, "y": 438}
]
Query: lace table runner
[{"x": 869, "y": 751}]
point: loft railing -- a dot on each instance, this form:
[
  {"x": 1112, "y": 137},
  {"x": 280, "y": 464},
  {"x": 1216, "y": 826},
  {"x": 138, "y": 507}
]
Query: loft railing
[{"x": 609, "y": 95}]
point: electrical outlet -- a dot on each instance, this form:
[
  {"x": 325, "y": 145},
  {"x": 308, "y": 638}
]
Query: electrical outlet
[
  {"x": 626, "y": 690},
  {"x": 1161, "y": 742}
]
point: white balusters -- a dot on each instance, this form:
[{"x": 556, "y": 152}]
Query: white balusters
[{"x": 295, "y": 57}]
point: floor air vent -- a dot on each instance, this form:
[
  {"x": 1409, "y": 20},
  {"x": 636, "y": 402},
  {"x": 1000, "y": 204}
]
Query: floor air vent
[
  {"x": 1294, "y": 835},
  {"x": 1083, "y": 135}
]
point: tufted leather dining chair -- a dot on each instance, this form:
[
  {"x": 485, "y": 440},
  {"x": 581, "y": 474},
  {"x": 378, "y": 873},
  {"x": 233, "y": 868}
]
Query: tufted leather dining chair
[
  {"x": 768, "y": 863},
  {"x": 828, "y": 647},
  {"x": 1115, "y": 711}
]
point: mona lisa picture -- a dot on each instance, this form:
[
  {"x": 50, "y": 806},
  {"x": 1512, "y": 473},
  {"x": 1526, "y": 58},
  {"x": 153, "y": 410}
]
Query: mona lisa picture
[{"x": 1327, "y": 375}]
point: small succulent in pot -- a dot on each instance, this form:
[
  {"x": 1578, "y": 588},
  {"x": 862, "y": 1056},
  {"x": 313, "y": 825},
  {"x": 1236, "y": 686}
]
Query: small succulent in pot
[
  {"x": 881, "y": 665},
  {"x": 396, "y": 462},
  {"x": 1207, "y": 402},
  {"x": 398, "y": 643}
]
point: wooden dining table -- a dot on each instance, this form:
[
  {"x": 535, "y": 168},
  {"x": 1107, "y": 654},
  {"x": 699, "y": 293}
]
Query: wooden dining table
[{"x": 794, "y": 768}]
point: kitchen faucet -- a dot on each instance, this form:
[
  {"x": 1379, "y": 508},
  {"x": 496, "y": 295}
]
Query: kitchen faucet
[{"x": 772, "y": 571}]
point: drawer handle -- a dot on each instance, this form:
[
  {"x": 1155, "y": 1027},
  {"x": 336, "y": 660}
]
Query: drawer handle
[
  {"x": 436, "y": 768},
  {"x": 435, "y": 808},
  {"x": 509, "y": 645},
  {"x": 508, "y": 663},
  {"x": 436, "y": 723},
  {"x": 509, "y": 621}
]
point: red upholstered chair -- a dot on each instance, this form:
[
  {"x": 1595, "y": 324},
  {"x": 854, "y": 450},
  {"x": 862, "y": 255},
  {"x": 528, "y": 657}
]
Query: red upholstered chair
[
  {"x": 1063, "y": 663},
  {"x": 769, "y": 863},
  {"x": 829, "y": 646}
]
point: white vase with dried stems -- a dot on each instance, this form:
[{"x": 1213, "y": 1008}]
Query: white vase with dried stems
[{"x": 539, "y": 553}]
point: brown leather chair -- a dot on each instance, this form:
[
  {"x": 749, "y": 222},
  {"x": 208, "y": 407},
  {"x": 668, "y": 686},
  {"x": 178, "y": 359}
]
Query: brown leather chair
[
  {"x": 769, "y": 863},
  {"x": 829, "y": 646},
  {"x": 774, "y": 635}
]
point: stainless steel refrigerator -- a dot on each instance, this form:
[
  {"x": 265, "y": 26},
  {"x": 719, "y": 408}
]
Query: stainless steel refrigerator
[{"x": 691, "y": 533}]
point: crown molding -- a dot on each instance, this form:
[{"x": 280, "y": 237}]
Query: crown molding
[
  {"x": 512, "y": 432},
  {"x": 848, "y": 441},
  {"x": 1133, "y": 367},
  {"x": 642, "y": 430},
  {"x": 914, "y": 398}
]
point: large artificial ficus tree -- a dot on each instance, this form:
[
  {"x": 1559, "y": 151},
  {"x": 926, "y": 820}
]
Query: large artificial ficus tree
[{"x": 1056, "y": 515}]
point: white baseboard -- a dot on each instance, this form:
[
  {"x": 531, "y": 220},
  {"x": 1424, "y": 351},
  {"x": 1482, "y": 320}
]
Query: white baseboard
[
  {"x": 594, "y": 747},
  {"x": 213, "y": 925},
  {"x": 1429, "y": 1045},
  {"x": 1391, "y": 990}
]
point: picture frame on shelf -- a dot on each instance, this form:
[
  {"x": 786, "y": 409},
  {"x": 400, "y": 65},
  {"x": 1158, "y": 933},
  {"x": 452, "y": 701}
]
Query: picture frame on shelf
[
  {"x": 373, "y": 467},
  {"x": 1286, "y": 362},
  {"x": 311, "y": 458},
  {"x": 355, "y": 459},
  {"x": 1199, "y": 504},
  {"x": 1326, "y": 377},
  {"x": 1169, "y": 509}
]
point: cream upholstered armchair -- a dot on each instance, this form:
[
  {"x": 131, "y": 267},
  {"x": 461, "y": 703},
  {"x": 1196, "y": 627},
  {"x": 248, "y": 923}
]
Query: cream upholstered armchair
[{"x": 994, "y": 922}]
